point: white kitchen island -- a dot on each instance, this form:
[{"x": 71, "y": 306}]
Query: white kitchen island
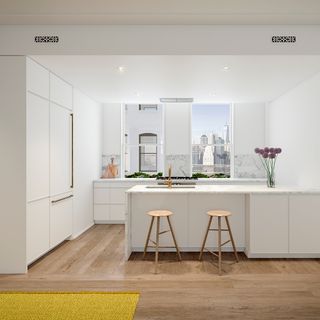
[{"x": 266, "y": 223}]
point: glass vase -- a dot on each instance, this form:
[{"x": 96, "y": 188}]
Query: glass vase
[{"x": 271, "y": 183}]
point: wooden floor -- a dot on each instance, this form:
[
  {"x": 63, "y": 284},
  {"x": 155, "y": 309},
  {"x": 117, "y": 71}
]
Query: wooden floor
[{"x": 250, "y": 289}]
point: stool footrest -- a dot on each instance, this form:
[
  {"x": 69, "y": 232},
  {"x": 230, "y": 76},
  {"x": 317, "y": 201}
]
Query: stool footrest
[
  {"x": 213, "y": 253},
  {"x": 162, "y": 232},
  {"x": 218, "y": 229},
  {"x": 222, "y": 244}
]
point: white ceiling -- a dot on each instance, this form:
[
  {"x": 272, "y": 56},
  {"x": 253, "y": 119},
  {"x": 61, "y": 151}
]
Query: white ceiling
[
  {"x": 160, "y": 12},
  {"x": 147, "y": 78}
]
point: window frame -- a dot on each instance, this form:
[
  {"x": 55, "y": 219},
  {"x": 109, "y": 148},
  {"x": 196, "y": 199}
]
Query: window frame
[
  {"x": 148, "y": 134},
  {"x": 231, "y": 138}
]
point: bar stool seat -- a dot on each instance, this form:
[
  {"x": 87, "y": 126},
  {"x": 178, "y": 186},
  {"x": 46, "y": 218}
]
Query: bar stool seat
[
  {"x": 219, "y": 214},
  {"x": 160, "y": 213},
  {"x": 157, "y": 214}
]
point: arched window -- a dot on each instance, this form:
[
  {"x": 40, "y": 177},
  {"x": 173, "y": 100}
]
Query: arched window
[{"x": 148, "y": 152}]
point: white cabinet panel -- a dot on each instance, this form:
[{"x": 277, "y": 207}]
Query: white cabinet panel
[
  {"x": 101, "y": 212},
  {"x": 61, "y": 148},
  {"x": 117, "y": 195},
  {"x": 38, "y": 224},
  {"x": 101, "y": 196},
  {"x": 60, "y": 219},
  {"x": 269, "y": 224},
  {"x": 304, "y": 224},
  {"x": 37, "y": 79},
  {"x": 117, "y": 212},
  {"x": 60, "y": 92},
  {"x": 200, "y": 204},
  {"x": 38, "y": 147}
]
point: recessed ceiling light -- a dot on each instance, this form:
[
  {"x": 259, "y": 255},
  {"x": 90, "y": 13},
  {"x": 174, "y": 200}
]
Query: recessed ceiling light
[
  {"x": 138, "y": 94},
  {"x": 121, "y": 69},
  {"x": 225, "y": 68}
]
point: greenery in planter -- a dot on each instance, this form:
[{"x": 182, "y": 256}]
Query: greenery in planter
[
  {"x": 215, "y": 175},
  {"x": 144, "y": 175}
]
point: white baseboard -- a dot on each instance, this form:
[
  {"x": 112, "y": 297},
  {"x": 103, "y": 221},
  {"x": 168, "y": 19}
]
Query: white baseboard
[
  {"x": 74, "y": 236},
  {"x": 109, "y": 221}
]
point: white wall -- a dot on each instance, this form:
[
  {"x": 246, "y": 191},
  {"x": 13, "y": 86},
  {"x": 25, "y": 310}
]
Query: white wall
[
  {"x": 249, "y": 127},
  {"x": 13, "y": 164},
  {"x": 87, "y": 158},
  {"x": 293, "y": 125}
]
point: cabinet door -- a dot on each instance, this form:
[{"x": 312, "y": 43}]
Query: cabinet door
[
  {"x": 304, "y": 224},
  {"x": 37, "y": 79},
  {"x": 60, "y": 219},
  {"x": 269, "y": 224},
  {"x": 117, "y": 212},
  {"x": 38, "y": 147},
  {"x": 61, "y": 150},
  {"x": 38, "y": 224},
  {"x": 60, "y": 92}
]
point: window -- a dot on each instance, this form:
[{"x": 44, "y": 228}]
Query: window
[
  {"x": 211, "y": 139},
  {"x": 148, "y": 152},
  {"x": 143, "y": 139}
]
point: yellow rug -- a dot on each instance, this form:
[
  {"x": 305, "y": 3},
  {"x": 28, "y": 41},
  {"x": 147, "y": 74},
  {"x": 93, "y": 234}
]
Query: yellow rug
[{"x": 67, "y": 306}]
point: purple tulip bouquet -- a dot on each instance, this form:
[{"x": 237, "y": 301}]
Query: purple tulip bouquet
[{"x": 268, "y": 157}]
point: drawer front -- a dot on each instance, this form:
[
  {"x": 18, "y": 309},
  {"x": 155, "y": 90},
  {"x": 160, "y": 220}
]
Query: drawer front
[
  {"x": 117, "y": 212},
  {"x": 101, "y": 212},
  {"x": 117, "y": 196},
  {"x": 101, "y": 196}
]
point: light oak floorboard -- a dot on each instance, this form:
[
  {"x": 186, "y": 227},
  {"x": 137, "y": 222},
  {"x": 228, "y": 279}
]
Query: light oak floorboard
[{"x": 191, "y": 289}]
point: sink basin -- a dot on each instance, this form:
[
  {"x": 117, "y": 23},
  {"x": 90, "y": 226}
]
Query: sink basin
[{"x": 173, "y": 187}]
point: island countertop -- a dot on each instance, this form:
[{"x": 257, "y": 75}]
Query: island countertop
[{"x": 225, "y": 189}]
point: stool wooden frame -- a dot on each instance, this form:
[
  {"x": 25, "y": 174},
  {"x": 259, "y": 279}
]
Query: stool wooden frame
[
  {"x": 219, "y": 214},
  {"x": 159, "y": 214}
]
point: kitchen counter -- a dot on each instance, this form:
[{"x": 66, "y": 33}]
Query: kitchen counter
[
  {"x": 279, "y": 222},
  {"x": 226, "y": 189}
]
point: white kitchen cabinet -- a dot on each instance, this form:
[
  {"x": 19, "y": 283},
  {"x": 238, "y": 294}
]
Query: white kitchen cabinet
[
  {"x": 38, "y": 147},
  {"x": 304, "y": 224},
  {"x": 37, "y": 79},
  {"x": 61, "y": 92},
  {"x": 61, "y": 179},
  {"x": 268, "y": 225},
  {"x": 61, "y": 212},
  {"x": 38, "y": 224}
]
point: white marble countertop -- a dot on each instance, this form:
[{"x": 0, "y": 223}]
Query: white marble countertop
[
  {"x": 232, "y": 189},
  {"x": 213, "y": 180}
]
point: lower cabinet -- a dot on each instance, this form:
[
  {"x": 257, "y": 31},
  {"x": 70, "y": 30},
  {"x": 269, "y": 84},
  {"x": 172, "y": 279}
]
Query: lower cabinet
[
  {"x": 60, "y": 219},
  {"x": 304, "y": 224},
  {"x": 109, "y": 213},
  {"x": 269, "y": 224},
  {"x": 38, "y": 229}
]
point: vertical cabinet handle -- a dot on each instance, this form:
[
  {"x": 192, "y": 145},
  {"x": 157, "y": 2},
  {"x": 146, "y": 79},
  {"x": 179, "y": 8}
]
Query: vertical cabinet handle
[{"x": 72, "y": 178}]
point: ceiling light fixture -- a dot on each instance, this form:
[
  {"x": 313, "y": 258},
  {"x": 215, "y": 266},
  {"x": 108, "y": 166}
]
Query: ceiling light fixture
[
  {"x": 121, "y": 69},
  {"x": 225, "y": 68}
]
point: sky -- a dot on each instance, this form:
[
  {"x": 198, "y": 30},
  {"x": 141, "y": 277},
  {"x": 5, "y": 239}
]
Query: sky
[{"x": 209, "y": 118}]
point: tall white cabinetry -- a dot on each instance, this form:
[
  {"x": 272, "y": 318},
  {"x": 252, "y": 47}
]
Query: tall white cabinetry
[{"x": 49, "y": 160}]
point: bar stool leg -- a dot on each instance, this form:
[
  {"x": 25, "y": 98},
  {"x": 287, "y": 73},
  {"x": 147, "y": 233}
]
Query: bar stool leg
[
  {"x": 148, "y": 238},
  {"x": 174, "y": 238},
  {"x": 219, "y": 243},
  {"x": 157, "y": 245},
  {"x": 232, "y": 241},
  {"x": 205, "y": 238}
]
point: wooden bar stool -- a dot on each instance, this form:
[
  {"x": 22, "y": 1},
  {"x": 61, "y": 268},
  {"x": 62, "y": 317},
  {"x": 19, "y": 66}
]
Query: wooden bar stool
[
  {"x": 219, "y": 214},
  {"x": 159, "y": 214}
]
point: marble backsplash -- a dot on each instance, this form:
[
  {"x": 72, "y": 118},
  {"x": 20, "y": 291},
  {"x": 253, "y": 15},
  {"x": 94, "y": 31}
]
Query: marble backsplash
[
  {"x": 248, "y": 166},
  {"x": 181, "y": 165}
]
